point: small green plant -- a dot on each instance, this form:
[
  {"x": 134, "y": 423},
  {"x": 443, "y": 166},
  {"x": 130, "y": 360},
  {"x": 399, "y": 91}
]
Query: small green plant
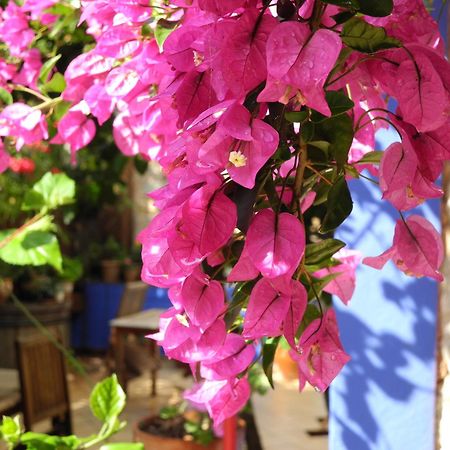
[
  {"x": 107, "y": 401},
  {"x": 35, "y": 242},
  {"x": 190, "y": 422}
]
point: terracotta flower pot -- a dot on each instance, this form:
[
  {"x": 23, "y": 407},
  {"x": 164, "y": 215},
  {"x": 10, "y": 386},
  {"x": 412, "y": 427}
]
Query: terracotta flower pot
[
  {"x": 286, "y": 364},
  {"x": 154, "y": 442},
  {"x": 6, "y": 288},
  {"x": 132, "y": 272},
  {"x": 110, "y": 270}
]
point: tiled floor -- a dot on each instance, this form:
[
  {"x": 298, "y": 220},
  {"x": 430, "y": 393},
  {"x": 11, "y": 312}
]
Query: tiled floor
[{"x": 282, "y": 416}]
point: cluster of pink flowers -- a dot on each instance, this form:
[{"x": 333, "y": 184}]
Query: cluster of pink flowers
[{"x": 209, "y": 105}]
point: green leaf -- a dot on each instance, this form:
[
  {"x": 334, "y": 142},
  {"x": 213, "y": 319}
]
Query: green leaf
[
  {"x": 56, "y": 84},
  {"x": 123, "y": 446},
  {"x": 338, "y": 131},
  {"x": 47, "y": 68},
  {"x": 268, "y": 352},
  {"x": 51, "y": 191},
  {"x": 163, "y": 29},
  {"x": 339, "y": 206},
  {"x": 107, "y": 399},
  {"x": 60, "y": 110},
  {"x": 338, "y": 102},
  {"x": 320, "y": 283},
  {"x": 376, "y": 8},
  {"x": 5, "y": 97},
  {"x": 349, "y": 4},
  {"x": 371, "y": 158},
  {"x": 34, "y": 247},
  {"x": 322, "y": 250},
  {"x": 241, "y": 294},
  {"x": 41, "y": 441},
  {"x": 10, "y": 429},
  {"x": 343, "y": 16},
  {"x": 366, "y": 38},
  {"x": 307, "y": 131},
  {"x": 296, "y": 116},
  {"x": 59, "y": 9}
]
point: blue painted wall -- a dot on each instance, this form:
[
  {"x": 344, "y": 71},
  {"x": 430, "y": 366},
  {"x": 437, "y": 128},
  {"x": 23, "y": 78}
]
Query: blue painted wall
[{"x": 385, "y": 398}]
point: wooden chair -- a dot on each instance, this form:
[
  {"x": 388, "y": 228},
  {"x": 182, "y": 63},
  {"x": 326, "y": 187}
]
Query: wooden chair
[
  {"x": 43, "y": 384},
  {"x": 133, "y": 298},
  {"x": 131, "y": 302}
]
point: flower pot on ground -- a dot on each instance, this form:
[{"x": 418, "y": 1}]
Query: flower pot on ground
[
  {"x": 6, "y": 288},
  {"x": 131, "y": 270},
  {"x": 169, "y": 434},
  {"x": 110, "y": 270},
  {"x": 286, "y": 365},
  {"x": 112, "y": 256}
]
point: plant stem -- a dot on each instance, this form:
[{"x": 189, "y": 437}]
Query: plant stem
[
  {"x": 66, "y": 352},
  {"x": 300, "y": 173},
  {"x": 21, "y": 229}
]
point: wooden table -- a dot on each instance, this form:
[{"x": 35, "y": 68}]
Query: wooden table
[
  {"x": 9, "y": 391},
  {"x": 139, "y": 324}
]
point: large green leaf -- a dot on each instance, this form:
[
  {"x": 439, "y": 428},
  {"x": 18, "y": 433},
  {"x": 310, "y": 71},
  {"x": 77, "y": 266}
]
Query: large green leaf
[
  {"x": 107, "y": 399},
  {"x": 338, "y": 102},
  {"x": 268, "y": 355},
  {"x": 51, "y": 191},
  {"x": 371, "y": 157},
  {"x": 376, "y": 8},
  {"x": 10, "y": 429},
  {"x": 339, "y": 206},
  {"x": 33, "y": 247},
  {"x": 349, "y": 4},
  {"x": 47, "y": 68},
  {"x": 322, "y": 250},
  {"x": 123, "y": 446},
  {"x": 366, "y": 38},
  {"x": 163, "y": 29},
  {"x": 41, "y": 441},
  {"x": 57, "y": 84},
  {"x": 5, "y": 97},
  {"x": 338, "y": 131}
]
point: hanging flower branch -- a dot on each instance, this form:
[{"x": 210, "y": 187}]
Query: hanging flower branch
[{"x": 257, "y": 111}]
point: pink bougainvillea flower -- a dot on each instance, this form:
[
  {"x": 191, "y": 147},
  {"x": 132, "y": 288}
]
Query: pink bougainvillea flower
[
  {"x": 118, "y": 42},
  {"x": 184, "y": 341},
  {"x": 241, "y": 144},
  {"x": 244, "y": 269},
  {"x": 26, "y": 124},
  {"x": 75, "y": 129},
  {"x": 299, "y": 63},
  {"x": 37, "y": 10},
  {"x": 416, "y": 250},
  {"x": 320, "y": 356},
  {"x": 29, "y": 73},
  {"x": 344, "y": 284},
  {"x": 421, "y": 94},
  {"x": 100, "y": 103},
  {"x": 203, "y": 301},
  {"x": 221, "y": 398},
  {"x": 209, "y": 218},
  {"x": 14, "y": 29},
  {"x": 275, "y": 244},
  {"x": 232, "y": 359},
  {"x": 271, "y": 305},
  {"x": 219, "y": 7},
  {"x": 243, "y": 58}
]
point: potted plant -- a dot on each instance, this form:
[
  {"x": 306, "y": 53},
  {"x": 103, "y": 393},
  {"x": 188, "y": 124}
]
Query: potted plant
[
  {"x": 31, "y": 255},
  {"x": 107, "y": 402},
  {"x": 180, "y": 427},
  {"x": 132, "y": 265},
  {"x": 111, "y": 260}
]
